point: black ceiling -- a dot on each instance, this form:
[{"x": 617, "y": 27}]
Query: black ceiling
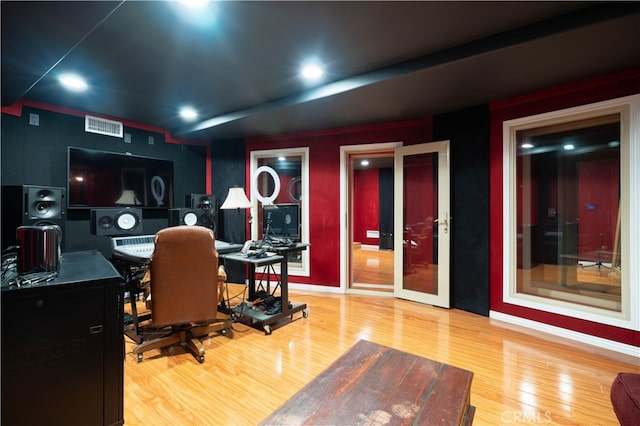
[{"x": 385, "y": 60}]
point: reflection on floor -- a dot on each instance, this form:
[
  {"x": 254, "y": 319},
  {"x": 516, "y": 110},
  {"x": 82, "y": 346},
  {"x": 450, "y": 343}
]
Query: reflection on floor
[{"x": 373, "y": 270}]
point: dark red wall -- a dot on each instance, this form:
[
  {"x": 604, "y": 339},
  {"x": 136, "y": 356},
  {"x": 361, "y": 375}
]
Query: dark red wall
[
  {"x": 583, "y": 92},
  {"x": 324, "y": 182},
  {"x": 366, "y": 212},
  {"x": 598, "y": 188}
]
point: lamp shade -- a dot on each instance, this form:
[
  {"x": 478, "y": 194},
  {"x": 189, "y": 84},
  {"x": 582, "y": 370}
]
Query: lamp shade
[
  {"x": 236, "y": 199},
  {"x": 128, "y": 198}
]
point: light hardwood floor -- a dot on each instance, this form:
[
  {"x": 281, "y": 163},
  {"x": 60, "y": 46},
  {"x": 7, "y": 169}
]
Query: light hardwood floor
[
  {"x": 520, "y": 376},
  {"x": 372, "y": 266}
]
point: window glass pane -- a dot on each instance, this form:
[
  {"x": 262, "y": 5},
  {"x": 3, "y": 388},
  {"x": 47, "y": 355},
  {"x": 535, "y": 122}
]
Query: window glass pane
[
  {"x": 282, "y": 219},
  {"x": 567, "y": 208},
  {"x": 420, "y": 239}
]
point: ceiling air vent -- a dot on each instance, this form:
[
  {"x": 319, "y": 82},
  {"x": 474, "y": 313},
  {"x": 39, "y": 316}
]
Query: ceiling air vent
[{"x": 103, "y": 126}]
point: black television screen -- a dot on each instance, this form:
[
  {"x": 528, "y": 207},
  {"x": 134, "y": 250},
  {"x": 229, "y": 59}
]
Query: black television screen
[
  {"x": 109, "y": 179},
  {"x": 283, "y": 221}
]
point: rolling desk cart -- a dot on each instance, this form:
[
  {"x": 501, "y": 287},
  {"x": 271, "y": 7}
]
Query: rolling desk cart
[{"x": 259, "y": 318}]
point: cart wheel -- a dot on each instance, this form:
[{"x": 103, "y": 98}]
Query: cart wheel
[
  {"x": 305, "y": 313},
  {"x": 140, "y": 357},
  {"x": 267, "y": 330}
]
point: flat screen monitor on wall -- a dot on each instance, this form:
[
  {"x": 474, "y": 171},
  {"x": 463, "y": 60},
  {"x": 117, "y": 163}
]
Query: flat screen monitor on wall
[
  {"x": 283, "y": 221},
  {"x": 108, "y": 179}
]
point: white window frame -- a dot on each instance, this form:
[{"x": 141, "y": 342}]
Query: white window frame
[
  {"x": 293, "y": 268},
  {"x": 629, "y": 110}
]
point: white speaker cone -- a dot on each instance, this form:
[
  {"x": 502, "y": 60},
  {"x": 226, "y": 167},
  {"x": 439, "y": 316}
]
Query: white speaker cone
[
  {"x": 190, "y": 219},
  {"x": 126, "y": 221}
]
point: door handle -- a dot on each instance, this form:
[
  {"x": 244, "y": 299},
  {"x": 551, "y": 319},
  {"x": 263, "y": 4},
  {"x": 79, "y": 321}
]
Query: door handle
[{"x": 444, "y": 222}]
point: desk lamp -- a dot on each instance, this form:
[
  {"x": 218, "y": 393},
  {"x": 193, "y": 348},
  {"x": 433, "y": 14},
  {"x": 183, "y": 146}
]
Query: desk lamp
[{"x": 237, "y": 199}]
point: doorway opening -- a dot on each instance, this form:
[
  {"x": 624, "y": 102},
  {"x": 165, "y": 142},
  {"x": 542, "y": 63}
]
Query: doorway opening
[
  {"x": 368, "y": 244},
  {"x": 371, "y": 222}
]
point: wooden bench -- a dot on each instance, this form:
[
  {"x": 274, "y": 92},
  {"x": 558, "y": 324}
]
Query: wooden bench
[{"x": 375, "y": 384}]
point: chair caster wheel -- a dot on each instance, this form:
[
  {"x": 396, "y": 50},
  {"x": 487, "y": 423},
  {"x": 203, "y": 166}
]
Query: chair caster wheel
[
  {"x": 201, "y": 359},
  {"x": 140, "y": 357},
  {"x": 305, "y": 313}
]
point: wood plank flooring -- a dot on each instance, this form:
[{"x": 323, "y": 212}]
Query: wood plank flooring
[
  {"x": 520, "y": 376},
  {"x": 372, "y": 266}
]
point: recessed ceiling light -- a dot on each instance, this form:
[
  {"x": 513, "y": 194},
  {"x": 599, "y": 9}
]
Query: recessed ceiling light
[
  {"x": 195, "y": 4},
  {"x": 312, "y": 72},
  {"x": 568, "y": 147},
  {"x": 73, "y": 82},
  {"x": 198, "y": 13},
  {"x": 188, "y": 113},
  {"x": 526, "y": 145},
  {"x": 364, "y": 163}
]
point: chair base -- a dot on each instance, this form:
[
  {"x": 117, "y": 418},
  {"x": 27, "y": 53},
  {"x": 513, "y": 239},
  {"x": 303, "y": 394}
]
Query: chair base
[{"x": 188, "y": 336}]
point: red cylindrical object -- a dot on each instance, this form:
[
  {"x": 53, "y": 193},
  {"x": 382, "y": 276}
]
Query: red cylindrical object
[{"x": 39, "y": 248}]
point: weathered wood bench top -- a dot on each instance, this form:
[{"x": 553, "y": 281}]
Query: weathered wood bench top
[{"x": 375, "y": 384}]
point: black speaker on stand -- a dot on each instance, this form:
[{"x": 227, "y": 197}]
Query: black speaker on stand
[
  {"x": 191, "y": 217},
  {"x": 32, "y": 205},
  {"x": 194, "y": 201},
  {"x": 207, "y": 205}
]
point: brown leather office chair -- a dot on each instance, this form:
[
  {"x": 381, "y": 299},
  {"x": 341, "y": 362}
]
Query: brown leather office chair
[{"x": 184, "y": 291}]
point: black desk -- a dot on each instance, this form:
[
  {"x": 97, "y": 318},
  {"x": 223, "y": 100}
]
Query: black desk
[
  {"x": 222, "y": 247},
  {"x": 259, "y": 318},
  {"x": 63, "y": 348}
]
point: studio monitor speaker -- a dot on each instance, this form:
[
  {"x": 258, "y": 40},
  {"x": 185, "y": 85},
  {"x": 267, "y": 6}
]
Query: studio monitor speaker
[
  {"x": 200, "y": 201},
  {"x": 116, "y": 221},
  {"x": 192, "y": 217},
  {"x": 209, "y": 206},
  {"x": 31, "y": 205}
]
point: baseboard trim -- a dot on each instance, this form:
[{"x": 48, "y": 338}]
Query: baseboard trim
[
  {"x": 326, "y": 289},
  {"x": 313, "y": 287},
  {"x": 599, "y": 342}
]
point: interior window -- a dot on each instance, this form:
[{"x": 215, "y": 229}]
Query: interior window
[
  {"x": 565, "y": 232},
  {"x": 568, "y": 221},
  {"x": 279, "y": 191}
]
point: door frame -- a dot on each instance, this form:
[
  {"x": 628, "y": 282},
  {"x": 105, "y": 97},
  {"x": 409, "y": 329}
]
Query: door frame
[{"x": 346, "y": 210}]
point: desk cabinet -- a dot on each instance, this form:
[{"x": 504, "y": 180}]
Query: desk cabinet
[{"x": 63, "y": 347}]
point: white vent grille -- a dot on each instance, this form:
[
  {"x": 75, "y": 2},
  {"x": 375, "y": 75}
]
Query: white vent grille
[{"x": 103, "y": 126}]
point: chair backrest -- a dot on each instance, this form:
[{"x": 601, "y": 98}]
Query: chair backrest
[{"x": 184, "y": 276}]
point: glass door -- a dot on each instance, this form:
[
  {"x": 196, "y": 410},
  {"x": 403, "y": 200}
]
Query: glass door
[{"x": 422, "y": 223}]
